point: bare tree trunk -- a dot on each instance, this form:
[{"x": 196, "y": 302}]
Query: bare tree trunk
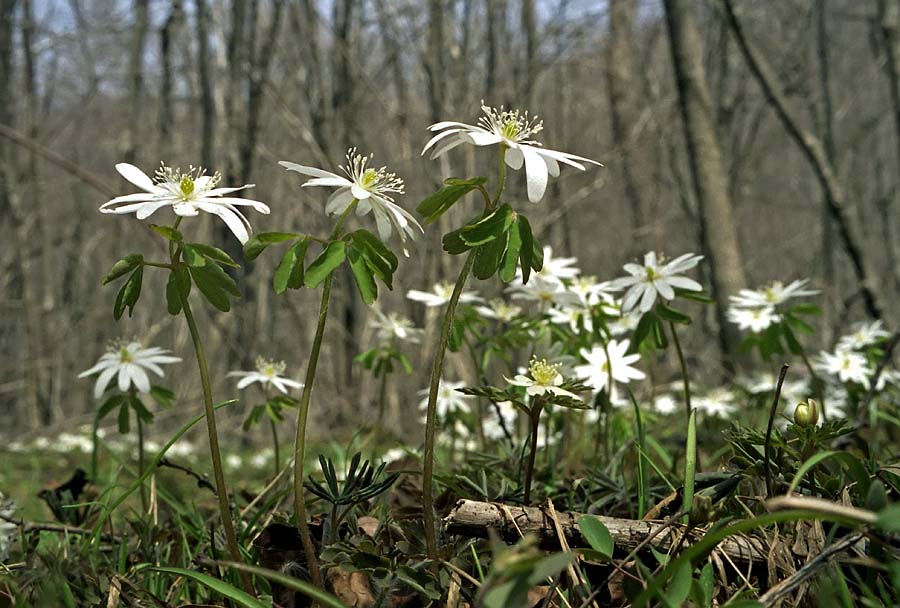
[
  {"x": 717, "y": 229},
  {"x": 136, "y": 79},
  {"x": 525, "y": 95},
  {"x": 207, "y": 102},
  {"x": 435, "y": 66},
  {"x": 623, "y": 103},
  {"x": 166, "y": 112},
  {"x": 814, "y": 152},
  {"x": 889, "y": 21}
]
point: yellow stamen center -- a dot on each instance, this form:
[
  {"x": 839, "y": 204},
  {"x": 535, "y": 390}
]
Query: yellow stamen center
[
  {"x": 187, "y": 186},
  {"x": 543, "y": 373}
]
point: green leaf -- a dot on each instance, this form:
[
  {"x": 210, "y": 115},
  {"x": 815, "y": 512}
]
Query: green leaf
[
  {"x": 215, "y": 285},
  {"x": 696, "y": 296},
  {"x": 163, "y": 396},
  {"x": 168, "y": 232},
  {"x": 889, "y": 519},
  {"x": 670, "y": 314},
  {"x": 178, "y": 285},
  {"x": 124, "y": 418},
  {"x": 643, "y": 330},
  {"x": 526, "y": 252},
  {"x": 140, "y": 409},
  {"x": 510, "y": 258},
  {"x": 549, "y": 567},
  {"x": 213, "y": 253},
  {"x": 488, "y": 257},
  {"x": 289, "y": 273},
  {"x": 220, "y": 587},
  {"x": 129, "y": 293},
  {"x": 365, "y": 280},
  {"x": 379, "y": 257},
  {"x": 258, "y": 243},
  {"x": 679, "y": 586},
  {"x": 489, "y": 227},
  {"x": 109, "y": 405},
  {"x": 192, "y": 257},
  {"x": 453, "y": 243},
  {"x": 332, "y": 257},
  {"x": 438, "y": 203},
  {"x": 596, "y": 534},
  {"x": 537, "y": 254},
  {"x": 123, "y": 267}
]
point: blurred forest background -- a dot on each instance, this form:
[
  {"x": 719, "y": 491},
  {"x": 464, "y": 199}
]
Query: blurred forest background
[{"x": 762, "y": 134}]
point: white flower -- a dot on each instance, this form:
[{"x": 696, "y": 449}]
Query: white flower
[
  {"x": 625, "y": 323},
  {"x": 847, "y": 365},
  {"x": 234, "y": 461},
  {"x": 754, "y": 319},
  {"x": 542, "y": 378},
  {"x": 792, "y": 391},
  {"x": 512, "y": 130},
  {"x": 267, "y": 372},
  {"x": 499, "y": 310},
  {"x": 572, "y": 316},
  {"x": 373, "y": 188},
  {"x": 717, "y": 402},
  {"x": 864, "y": 334},
  {"x": 130, "y": 362},
  {"x": 448, "y": 398},
  {"x": 544, "y": 292},
  {"x": 394, "y": 454},
  {"x": 440, "y": 295},
  {"x": 493, "y": 425},
  {"x": 186, "y": 193},
  {"x": 665, "y": 404},
  {"x": 599, "y": 368},
  {"x": 554, "y": 270},
  {"x": 655, "y": 277},
  {"x": 392, "y": 325},
  {"x": 771, "y": 295},
  {"x": 590, "y": 292}
]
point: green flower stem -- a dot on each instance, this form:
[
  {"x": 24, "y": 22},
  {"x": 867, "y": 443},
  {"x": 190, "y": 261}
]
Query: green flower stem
[
  {"x": 684, "y": 372},
  {"x": 219, "y": 476},
  {"x": 536, "y": 409},
  {"x": 431, "y": 414},
  {"x": 275, "y": 445},
  {"x": 309, "y": 548},
  {"x": 140, "y": 432},
  {"x": 501, "y": 172}
]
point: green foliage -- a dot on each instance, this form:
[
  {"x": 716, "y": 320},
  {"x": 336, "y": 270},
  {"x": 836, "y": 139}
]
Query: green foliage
[{"x": 438, "y": 203}]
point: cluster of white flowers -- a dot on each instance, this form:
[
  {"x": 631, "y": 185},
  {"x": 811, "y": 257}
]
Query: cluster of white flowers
[
  {"x": 757, "y": 309},
  {"x": 656, "y": 277},
  {"x": 849, "y": 363},
  {"x": 440, "y": 295},
  {"x": 392, "y": 326}
]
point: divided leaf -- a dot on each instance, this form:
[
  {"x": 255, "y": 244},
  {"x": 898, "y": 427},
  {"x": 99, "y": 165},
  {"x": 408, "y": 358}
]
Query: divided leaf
[{"x": 438, "y": 203}]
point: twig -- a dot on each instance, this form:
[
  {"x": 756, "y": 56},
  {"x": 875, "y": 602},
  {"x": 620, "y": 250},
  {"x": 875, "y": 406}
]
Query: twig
[
  {"x": 777, "y": 593},
  {"x": 202, "y": 481},
  {"x": 768, "y": 447},
  {"x": 30, "y": 526},
  {"x": 821, "y": 505}
]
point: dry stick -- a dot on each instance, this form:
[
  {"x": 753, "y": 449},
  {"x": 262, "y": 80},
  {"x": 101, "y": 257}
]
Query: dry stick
[
  {"x": 777, "y": 593},
  {"x": 768, "y": 446},
  {"x": 814, "y": 152},
  {"x": 573, "y": 569},
  {"x": 202, "y": 481},
  {"x": 29, "y": 526}
]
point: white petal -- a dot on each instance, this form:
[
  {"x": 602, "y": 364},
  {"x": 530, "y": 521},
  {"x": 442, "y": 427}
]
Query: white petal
[
  {"x": 129, "y": 198},
  {"x": 434, "y": 140},
  {"x": 552, "y": 166},
  {"x": 101, "y": 365},
  {"x": 241, "y": 202},
  {"x": 140, "y": 378},
  {"x": 328, "y": 181},
  {"x": 514, "y": 159},
  {"x": 449, "y": 123},
  {"x": 185, "y": 209},
  {"x": 221, "y": 191},
  {"x": 136, "y": 177},
  {"x": 359, "y": 193},
  {"x": 338, "y": 201},
  {"x": 103, "y": 380},
  {"x": 235, "y": 222},
  {"x": 632, "y": 296},
  {"x": 535, "y": 174},
  {"x": 481, "y": 139},
  {"x": 383, "y": 222},
  {"x": 684, "y": 283},
  {"x": 146, "y": 210},
  {"x": 648, "y": 299},
  {"x": 363, "y": 207},
  {"x": 444, "y": 147},
  {"x": 247, "y": 381},
  {"x": 124, "y": 378},
  {"x": 312, "y": 171},
  {"x": 664, "y": 289}
]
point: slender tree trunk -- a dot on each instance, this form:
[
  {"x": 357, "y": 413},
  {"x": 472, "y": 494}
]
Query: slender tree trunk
[
  {"x": 435, "y": 66},
  {"x": 136, "y": 79},
  {"x": 623, "y": 102},
  {"x": 166, "y": 104},
  {"x": 889, "y": 21},
  {"x": 204, "y": 73},
  {"x": 814, "y": 152},
  {"x": 525, "y": 97},
  {"x": 717, "y": 229}
]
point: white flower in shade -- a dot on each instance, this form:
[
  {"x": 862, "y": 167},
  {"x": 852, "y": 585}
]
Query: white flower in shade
[
  {"x": 513, "y": 131},
  {"x": 792, "y": 391},
  {"x": 493, "y": 425},
  {"x": 665, "y": 404},
  {"x": 187, "y": 194},
  {"x": 625, "y": 323},
  {"x": 847, "y": 365},
  {"x": 266, "y": 372},
  {"x": 599, "y": 368},
  {"x": 448, "y": 398},
  {"x": 542, "y": 378},
  {"x": 717, "y": 402},
  {"x": 554, "y": 269},
  {"x": 887, "y": 376},
  {"x": 130, "y": 362},
  {"x": 864, "y": 334},
  {"x": 772, "y": 294},
  {"x": 590, "y": 292},
  {"x": 574, "y": 317},
  {"x": 655, "y": 277},
  {"x": 394, "y": 326},
  {"x": 499, "y": 310},
  {"x": 234, "y": 461},
  {"x": 373, "y": 188},
  {"x": 440, "y": 295},
  {"x": 754, "y": 319},
  {"x": 545, "y": 293}
]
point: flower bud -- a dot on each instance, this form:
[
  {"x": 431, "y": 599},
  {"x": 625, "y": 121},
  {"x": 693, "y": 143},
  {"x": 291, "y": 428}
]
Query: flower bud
[{"x": 807, "y": 413}]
